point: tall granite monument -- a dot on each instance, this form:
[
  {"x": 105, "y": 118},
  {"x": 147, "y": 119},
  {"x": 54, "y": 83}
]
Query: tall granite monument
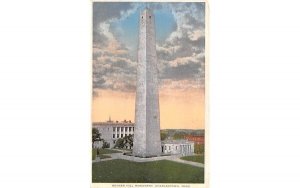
[{"x": 147, "y": 141}]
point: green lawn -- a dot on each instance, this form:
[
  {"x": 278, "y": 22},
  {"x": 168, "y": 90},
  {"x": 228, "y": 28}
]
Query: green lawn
[
  {"x": 94, "y": 152},
  {"x": 101, "y": 152},
  {"x": 194, "y": 158},
  {"x": 108, "y": 151},
  {"x": 104, "y": 156},
  {"x": 123, "y": 171}
]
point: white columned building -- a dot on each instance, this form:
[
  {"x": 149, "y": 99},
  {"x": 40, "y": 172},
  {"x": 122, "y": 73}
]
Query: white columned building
[
  {"x": 111, "y": 131},
  {"x": 174, "y": 147}
]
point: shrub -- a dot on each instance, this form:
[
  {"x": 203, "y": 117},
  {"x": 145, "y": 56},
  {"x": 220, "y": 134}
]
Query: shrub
[
  {"x": 105, "y": 145},
  {"x": 199, "y": 148},
  {"x": 163, "y": 136},
  {"x": 120, "y": 143},
  {"x": 94, "y": 152},
  {"x": 179, "y": 135}
]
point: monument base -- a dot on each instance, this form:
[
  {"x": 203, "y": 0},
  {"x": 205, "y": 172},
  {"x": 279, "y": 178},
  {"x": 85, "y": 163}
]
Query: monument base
[
  {"x": 149, "y": 156},
  {"x": 143, "y": 156}
]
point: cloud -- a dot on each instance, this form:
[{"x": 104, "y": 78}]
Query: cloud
[
  {"x": 114, "y": 72},
  {"x": 195, "y": 35},
  {"x": 181, "y": 85},
  {"x": 193, "y": 59},
  {"x": 181, "y": 57},
  {"x": 105, "y": 11},
  {"x": 113, "y": 67}
]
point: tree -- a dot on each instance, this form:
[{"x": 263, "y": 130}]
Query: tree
[
  {"x": 96, "y": 136},
  {"x": 128, "y": 141},
  {"x": 179, "y": 135},
  {"x": 199, "y": 148},
  {"x": 163, "y": 136},
  {"x": 105, "y": 145},
  {"x": 120, "y": 143},
  {"x": 125, "y": 141}
]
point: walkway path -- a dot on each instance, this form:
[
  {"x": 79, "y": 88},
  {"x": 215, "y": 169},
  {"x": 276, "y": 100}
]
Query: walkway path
[
  {"x": 175, "y": 158},
  {"x": 188, "y": 162}
]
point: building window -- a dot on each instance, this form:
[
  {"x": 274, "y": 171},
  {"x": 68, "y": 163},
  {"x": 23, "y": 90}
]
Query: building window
[
  {"x": 165, "y": 147},
  {"x": 117, "y": 135},
  {"x": 114, "y": 135},
  {"x": 126, "y": 128},
  {"x": 118, "y": 128},
  {"x": 125, "y": 134},
  {"x": 121, "y": 135},
  {"x": 132, "y": 128},
  {"x": 114, "y": 129},
  {"x": 114, "y": 141},
  {"x": 122, "y": 128},
  {"x": 129, "y": 128}
]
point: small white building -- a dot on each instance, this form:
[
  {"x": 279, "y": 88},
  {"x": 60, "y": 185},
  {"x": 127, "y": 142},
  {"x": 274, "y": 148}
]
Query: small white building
[{"x": 175, "y": 147}]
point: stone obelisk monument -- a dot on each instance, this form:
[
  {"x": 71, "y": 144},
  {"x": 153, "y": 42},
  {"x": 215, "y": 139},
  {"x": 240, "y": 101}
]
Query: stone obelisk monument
[{"x": 146, "y": 141}]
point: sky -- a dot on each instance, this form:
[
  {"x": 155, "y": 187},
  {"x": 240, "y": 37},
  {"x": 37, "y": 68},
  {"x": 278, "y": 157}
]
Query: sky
[{"x": 180, "y": 45}]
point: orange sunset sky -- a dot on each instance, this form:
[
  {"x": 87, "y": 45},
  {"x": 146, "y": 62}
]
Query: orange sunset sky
[{"x": 178, "y": 109}]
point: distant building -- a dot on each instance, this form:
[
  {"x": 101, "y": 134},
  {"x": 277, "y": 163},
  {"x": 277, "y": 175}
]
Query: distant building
[
  {"x": 195, "y": 139},
  {"x": 173, "y": 147},
  {"x": 111, "y": 131}
]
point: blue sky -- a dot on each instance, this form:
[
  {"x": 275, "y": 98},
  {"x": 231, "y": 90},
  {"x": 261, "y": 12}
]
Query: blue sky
[
  {"x": 180, "y": 39},
  {"x": 127, "y": 29}
]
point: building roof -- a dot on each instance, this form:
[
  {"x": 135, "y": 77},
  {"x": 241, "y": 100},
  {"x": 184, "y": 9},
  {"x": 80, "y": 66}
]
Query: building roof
[{"x": 112, "y": 123}]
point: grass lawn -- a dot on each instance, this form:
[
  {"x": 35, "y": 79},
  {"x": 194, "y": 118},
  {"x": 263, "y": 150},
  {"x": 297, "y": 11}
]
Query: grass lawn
[
  {"x": 123, "y": 171},
  {"x": 108, "y": 151},
  {"x": 94, "y": 152},
  {"x": 101, "y": 152},
  {"x": 104, "y": 156},
  {"x": 195, "y": 158}
]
